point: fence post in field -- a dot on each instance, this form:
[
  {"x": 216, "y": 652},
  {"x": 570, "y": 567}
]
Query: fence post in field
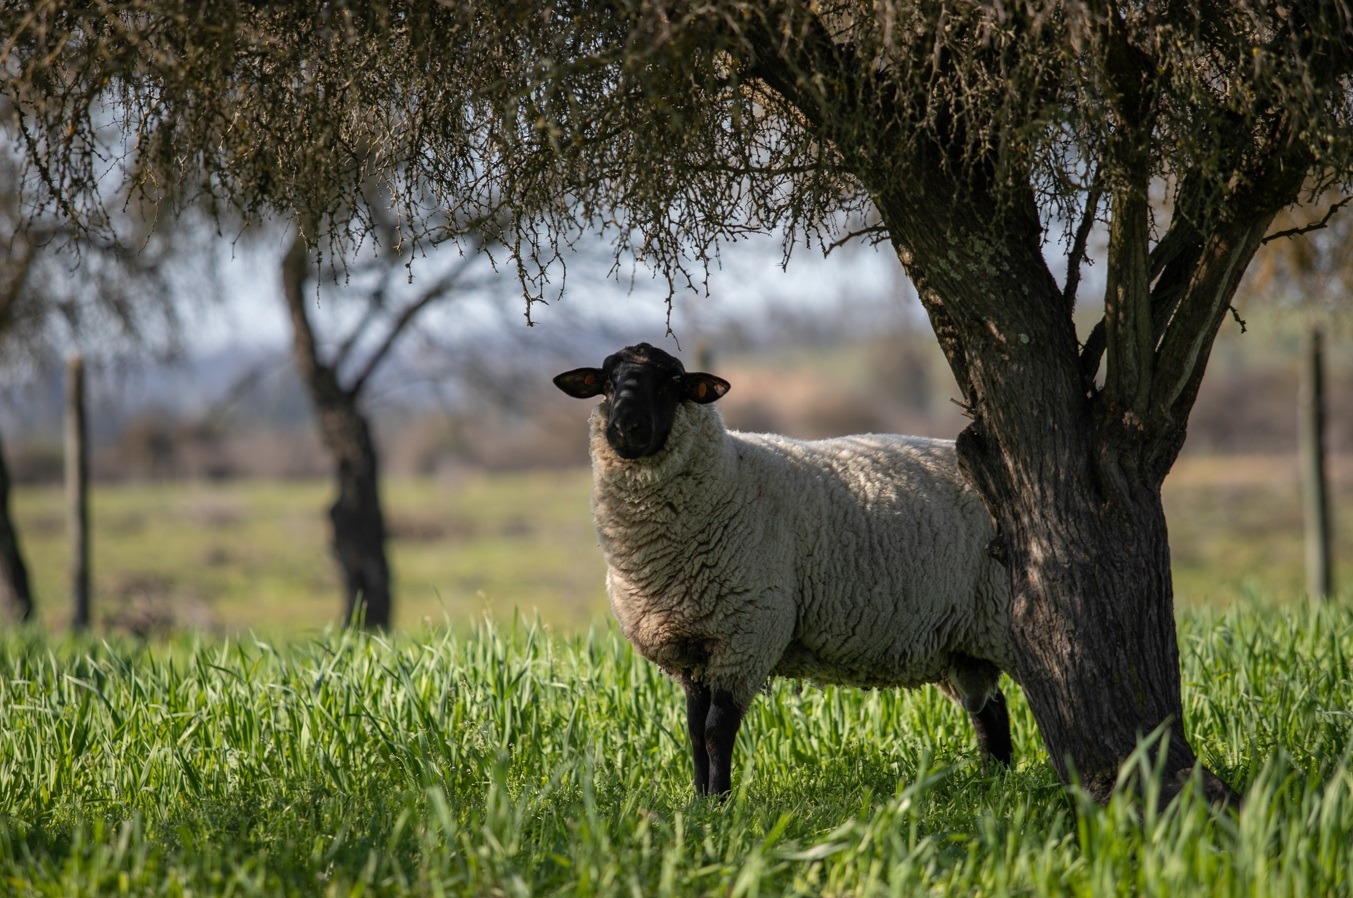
[
  {"x": 1319, "y": 566},
  {"x": 77, "y": 491}
]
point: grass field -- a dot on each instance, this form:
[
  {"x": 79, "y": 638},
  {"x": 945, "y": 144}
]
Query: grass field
[
  {"x": 236, "y": 556},
  {"x": 516, "y": 762}
]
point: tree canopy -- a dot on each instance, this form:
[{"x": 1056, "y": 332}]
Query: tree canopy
[{"x": 677, "y": 125}]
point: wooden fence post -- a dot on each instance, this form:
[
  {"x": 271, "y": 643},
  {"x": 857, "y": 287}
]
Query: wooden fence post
[
  {"x": 77, "y": 491},
  {"x": 1315, "y": 483}
]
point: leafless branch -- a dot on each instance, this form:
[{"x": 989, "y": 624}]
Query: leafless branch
[
  {"x": 434, "y": 292},
  {"x": 880, "y": 229},
  {"x": 1076, "y": 258},
  {"x": 1314, "y": 226}
]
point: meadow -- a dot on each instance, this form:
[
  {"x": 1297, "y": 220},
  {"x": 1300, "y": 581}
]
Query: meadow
[
  {"x": 253, "y": 556},
  {"x": 513, "y": 761},
  {"x": 504, "y": 740}
]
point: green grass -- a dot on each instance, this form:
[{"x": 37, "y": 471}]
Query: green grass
[
  {"x": 227, "y": 557},
  {"x": 513, "y": 762},
  {"x": 236, "y": 556}
]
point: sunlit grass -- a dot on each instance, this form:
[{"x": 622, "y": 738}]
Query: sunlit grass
[
  {"x": 511, "y": 761},
  {"x": 255, "y": 555}
]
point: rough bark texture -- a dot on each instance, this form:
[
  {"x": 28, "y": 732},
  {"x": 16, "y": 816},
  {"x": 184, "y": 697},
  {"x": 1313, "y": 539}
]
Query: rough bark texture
[
  {"x": 358, "y": 522},
  {"x": 1072, "y": 472},
  {"x": 16, "y": 594}
]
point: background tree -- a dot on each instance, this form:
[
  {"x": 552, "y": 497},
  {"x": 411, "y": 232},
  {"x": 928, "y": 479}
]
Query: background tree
[
  {"x": 337, "y": 373},
  {"x": 110, "y": 292},
  {"x": 983, "y": 135}
]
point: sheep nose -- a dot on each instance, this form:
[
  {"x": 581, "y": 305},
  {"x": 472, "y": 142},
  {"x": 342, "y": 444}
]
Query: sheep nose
[
  {"x": 629, "y": 431},
  {"x": 633, "y": 429}
]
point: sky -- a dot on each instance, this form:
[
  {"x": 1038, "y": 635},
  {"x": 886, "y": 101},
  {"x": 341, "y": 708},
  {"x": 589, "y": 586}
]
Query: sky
[{"x": 752, "y": 285}]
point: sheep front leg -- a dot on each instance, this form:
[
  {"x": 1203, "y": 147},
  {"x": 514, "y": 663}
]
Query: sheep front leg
[
  {"x": 721, "y": 729},
  {"x": 712, "y": 719},
  {"x": 697, "y": 714}
]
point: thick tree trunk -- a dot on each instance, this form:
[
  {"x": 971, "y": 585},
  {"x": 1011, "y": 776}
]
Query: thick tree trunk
[
  {"x": 16, "y": 595},
  {"x": 1092, "y": 623},
  {"x": 356, "y": 516},
  {"x": 1074, "y": 487}
]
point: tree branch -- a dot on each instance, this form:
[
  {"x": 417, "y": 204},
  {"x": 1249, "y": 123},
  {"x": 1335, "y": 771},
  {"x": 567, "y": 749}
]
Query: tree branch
[
  {"x": 1076, "y": 258},
  {"x": 436, "y": 291},
  {"x": 1315, "y": 226},
  {"x": 295, "y": 268},
  {"x": 872, "y": 229},
  {"x": 1128, "y": 329}
]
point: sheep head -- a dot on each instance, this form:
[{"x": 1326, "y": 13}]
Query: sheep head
[{"x": 643, "y": 386}]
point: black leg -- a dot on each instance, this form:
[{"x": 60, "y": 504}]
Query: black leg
[
  {"x": 992, "y": 725},
  {"x": 721, "y": 729},
  {"x": 697, "y": 712}
]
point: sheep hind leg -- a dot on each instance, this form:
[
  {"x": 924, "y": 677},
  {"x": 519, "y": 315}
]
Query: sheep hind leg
[
  {"x": 972, "y": 683},
  {"x": 721, "y": 730},
  {"x": 697, "y": 715},
  {"x": 992, "y": 725}
]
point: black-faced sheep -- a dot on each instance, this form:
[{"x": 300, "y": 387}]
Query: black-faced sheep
[{"x": 737, "y": 557}]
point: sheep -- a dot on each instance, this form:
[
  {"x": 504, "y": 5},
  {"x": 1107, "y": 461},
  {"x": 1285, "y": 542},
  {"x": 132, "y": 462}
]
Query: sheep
[{"x": 734, "y": 557}]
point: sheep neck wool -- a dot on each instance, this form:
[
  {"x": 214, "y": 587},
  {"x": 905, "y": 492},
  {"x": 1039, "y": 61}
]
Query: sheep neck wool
[{"x": 694, "y": 428}]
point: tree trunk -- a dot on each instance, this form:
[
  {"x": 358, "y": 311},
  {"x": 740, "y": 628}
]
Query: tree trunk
[
  {"x": 356, "y": 515},
  {"x": 1319, "y": 529},
  {"x": 1073, "y": 481},
  {"x": 15, "y": 593},
  {"x": 358, "y": 523},
  {"x": 1092, "y": 614}
]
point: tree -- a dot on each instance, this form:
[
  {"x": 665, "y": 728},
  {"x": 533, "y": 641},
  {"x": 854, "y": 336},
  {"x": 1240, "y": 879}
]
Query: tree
[
  {"x": 337, "y": 377},
  {"x": 121, "y": 297},
  {"x": 971, "y": 130}
]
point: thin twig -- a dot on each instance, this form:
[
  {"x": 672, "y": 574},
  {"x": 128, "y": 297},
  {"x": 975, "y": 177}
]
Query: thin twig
[
  {"x": 872, "y": 229},
  {"x": 1315, "y": 226}
]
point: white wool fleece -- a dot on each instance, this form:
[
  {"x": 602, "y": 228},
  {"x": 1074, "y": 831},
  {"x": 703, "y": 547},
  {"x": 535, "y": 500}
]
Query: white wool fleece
[{"x": 734, "y": 557}]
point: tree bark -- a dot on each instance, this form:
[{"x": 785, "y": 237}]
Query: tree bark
[
  {"x": 356, "y": 517},
  {"x": 1071, "y": 470},
  {"x": 15, "y": 590}
]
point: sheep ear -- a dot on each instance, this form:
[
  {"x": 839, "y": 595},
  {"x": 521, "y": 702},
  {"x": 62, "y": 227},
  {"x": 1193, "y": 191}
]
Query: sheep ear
[
  {"x": 581, "y": 383},
  {"x": 702, "y": 388}
]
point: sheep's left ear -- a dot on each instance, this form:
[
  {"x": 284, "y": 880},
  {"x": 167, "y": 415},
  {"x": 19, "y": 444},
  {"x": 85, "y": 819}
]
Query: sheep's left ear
[
  {"x": 581, "y": 383},
  {"x": 702, "y": 388}
]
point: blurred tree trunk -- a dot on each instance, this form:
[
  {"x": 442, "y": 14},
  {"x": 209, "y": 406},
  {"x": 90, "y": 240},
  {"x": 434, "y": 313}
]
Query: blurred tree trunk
[
  {"x": 15, "y": 594},
  {"x": 356, "y": 516},
  {"x": 1319, "y": 563}
]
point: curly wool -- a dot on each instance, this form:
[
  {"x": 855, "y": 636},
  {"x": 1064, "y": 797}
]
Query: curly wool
[{"x": 859, "y": 560}]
